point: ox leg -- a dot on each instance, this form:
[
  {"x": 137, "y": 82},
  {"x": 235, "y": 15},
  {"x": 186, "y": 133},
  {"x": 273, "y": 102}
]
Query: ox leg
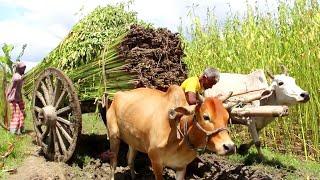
[
  {"x": 243, "y": 149},
  {"x": 156, "y": 165},
  {"x": 180, "y": 173},
  {"x": 114, "y": 146},
  {"x": 114, "y": 139},
  {"x": 258, "y": 146},
  {"x": 157, "y": 170},
  {"x": 256, "y": 137},
  {"x": 131, "y": 156}
]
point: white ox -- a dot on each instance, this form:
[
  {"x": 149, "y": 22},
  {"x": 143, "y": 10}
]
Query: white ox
[{"x": 282, "y": 91}]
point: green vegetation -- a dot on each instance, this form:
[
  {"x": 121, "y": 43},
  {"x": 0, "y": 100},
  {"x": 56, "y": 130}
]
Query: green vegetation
[
  {"x": 287, "y": 164},
  {"x": 80, "y": 54},
  {"x": 290, "y": 37},
  {"x": 2, "y": 100},
  {"x": 21, "y": 149}
]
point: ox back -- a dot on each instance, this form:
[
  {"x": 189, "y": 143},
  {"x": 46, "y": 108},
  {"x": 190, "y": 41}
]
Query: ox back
[
  {"x": 142, "y": 112},
  {"x": 238, "y": 83}
]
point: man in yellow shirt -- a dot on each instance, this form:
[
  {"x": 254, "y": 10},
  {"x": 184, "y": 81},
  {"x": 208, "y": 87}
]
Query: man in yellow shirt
[{"x": 196, "y": 84}]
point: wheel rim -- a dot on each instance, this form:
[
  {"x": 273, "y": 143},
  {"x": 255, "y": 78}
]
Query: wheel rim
[{"x": 56, "y": 114}]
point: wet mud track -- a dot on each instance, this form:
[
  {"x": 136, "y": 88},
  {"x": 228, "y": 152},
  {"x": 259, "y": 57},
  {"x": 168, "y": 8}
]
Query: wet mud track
[
  {"x": 207, "y": 166},
  {"x": 86, "y": 164}
]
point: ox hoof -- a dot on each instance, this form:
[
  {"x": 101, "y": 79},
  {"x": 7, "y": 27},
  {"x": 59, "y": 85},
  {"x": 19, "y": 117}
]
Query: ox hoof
[
  {"x": 243, "y": 149},
  {"x": 261, "y": 158}
]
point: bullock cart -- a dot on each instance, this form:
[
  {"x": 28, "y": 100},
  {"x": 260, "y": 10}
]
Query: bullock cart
[
  {"x": 57, "y": 110},
  {"x": 141, "y": 57}
]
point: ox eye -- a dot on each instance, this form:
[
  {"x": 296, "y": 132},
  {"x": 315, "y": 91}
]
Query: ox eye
[
  {"x": 280, "y": 83},
  {"x": 206, "y": 117}
]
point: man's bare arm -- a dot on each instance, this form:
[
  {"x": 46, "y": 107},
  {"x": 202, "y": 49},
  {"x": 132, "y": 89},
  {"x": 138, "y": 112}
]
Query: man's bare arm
[{"x": 191, "y": 98}]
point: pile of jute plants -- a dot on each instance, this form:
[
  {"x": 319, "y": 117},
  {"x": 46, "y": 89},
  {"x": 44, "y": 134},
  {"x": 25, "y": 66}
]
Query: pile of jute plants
[
  {"x": 155, "y": 56},
  {"x": 287, "y": 35},
  {"x": 98, "y": 54}
]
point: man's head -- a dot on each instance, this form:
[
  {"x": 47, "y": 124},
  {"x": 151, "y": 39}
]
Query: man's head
[
  {"x": 20, "y": 68},
  {"x": 210, "y": 77}
]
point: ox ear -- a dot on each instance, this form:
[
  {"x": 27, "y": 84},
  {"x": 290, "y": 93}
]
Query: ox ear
[
  {"x": 267, "y": 93},
  {"x": 185, "y": 110},
  {"x": 182, "y": 110}
]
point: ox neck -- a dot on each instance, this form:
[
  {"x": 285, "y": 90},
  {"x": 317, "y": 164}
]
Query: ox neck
[
  {"x": 188, "y": 129},
  {"x": 185, "y": 131},
  {"x": 199, "y": 133}
]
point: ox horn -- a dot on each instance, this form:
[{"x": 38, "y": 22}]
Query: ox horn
[
  {"x": 284, "y": 70},
  {"x": 200, "y": 97},
  {"x": 269, "y": 73},
  {"x": 224, "y": 98}
]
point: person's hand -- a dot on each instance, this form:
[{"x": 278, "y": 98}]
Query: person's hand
[
  {"x": 106, "y": 156},
  {"x": 110, "y": 154}
]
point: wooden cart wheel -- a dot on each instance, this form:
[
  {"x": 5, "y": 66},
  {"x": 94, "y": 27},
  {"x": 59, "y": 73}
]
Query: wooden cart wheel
[{"x": 56, "y": 115}]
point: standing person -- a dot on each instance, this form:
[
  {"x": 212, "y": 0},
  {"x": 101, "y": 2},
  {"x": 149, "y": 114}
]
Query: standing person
[
  {"x": 195, "y": 84},
  {"x": 14, "y": 97}
]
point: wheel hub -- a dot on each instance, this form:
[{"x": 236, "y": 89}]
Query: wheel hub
[{"x": 49, "y": 116}]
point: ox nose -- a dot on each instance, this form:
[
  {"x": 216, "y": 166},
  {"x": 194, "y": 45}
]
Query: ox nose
[
  {"x": 305, "y": 96},
  {"x": 229, "y": 148}
]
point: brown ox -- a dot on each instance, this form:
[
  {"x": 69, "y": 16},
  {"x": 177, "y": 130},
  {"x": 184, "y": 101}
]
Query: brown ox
[{"x": 140, "y": 118}]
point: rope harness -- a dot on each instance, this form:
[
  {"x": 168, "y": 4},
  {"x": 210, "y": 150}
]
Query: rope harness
[{"x": 208, "y": 133}]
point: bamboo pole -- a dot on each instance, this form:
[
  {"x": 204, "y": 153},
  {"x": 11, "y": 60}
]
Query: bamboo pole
[
  {"x": 264, "y": 111},
  {"x": 243, "y": 99}
]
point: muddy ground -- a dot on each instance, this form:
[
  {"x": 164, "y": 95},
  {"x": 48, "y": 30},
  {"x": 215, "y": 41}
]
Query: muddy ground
[{"x": 86, "y": 165}]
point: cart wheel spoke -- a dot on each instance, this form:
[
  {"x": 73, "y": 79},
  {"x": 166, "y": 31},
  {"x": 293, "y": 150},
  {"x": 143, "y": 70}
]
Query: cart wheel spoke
[
  {"x": 64, "y": 121},
  {"x": 56, "y": 145},
  {"x": 45, "y": 93},
  {"x": 40, "y": 96},
  {"x": 61, "y": 142},
  {"x": 36, "y": 108},
  {"x": 57, "y": 91},
  {"x": 65, "y": 133},
  {"x": 50, "y": 88},
  {"x": 56, "y": 114},
  {"x": 47, "y": 142},
  {"x": 63, "y": 110},
  {"x": 61, "y": 97},
  {"x": 45, "y": 134}
]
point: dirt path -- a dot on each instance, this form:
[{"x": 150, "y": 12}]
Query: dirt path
[{"x": 86, "y": 165}]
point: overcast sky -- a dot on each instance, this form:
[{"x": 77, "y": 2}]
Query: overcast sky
[{"x": 43, "y": 24}]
